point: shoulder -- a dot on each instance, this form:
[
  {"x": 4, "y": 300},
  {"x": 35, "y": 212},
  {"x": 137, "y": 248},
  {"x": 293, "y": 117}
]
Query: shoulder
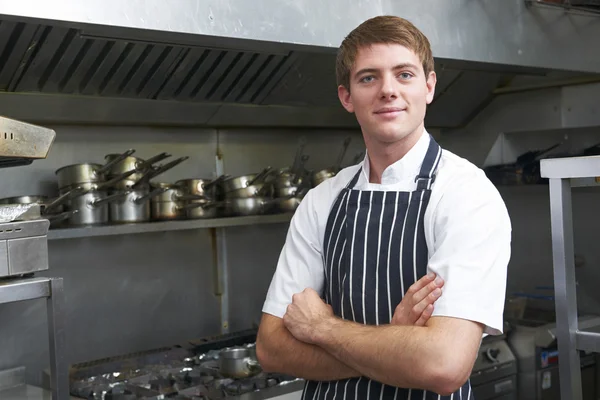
[{"x": 461, "y": 185}]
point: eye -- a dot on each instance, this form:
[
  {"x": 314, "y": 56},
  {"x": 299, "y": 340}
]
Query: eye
[
  {"x": 406, "y": 75},
  {"x": 367, "y": 79}
]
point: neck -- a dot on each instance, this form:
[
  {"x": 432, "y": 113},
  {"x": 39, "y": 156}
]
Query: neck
[{"x": 382, "y": 155}]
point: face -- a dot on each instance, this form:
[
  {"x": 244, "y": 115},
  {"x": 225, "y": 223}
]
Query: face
[{"x": 389, "y": 92}]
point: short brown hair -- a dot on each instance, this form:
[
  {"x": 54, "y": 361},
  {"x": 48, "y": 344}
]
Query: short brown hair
[{"x": 381, "y": 29}]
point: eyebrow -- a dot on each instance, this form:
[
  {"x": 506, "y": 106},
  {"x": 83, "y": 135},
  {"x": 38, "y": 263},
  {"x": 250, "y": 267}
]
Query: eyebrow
[{"x": 396, "y": 67}]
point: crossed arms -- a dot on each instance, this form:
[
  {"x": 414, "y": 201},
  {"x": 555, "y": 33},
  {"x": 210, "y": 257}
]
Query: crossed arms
[{"x": 414, "y": 351}]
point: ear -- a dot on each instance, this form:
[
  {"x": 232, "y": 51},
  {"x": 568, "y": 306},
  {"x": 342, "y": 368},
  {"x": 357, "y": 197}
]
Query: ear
[
  {"x": 431, "y": 81},
  {"x": 345, "y": 98}
]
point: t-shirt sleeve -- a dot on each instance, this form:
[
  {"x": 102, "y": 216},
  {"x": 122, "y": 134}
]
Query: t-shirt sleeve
[
  {"x": 472, "y": 237},
  {"x": 300, "y": 265}
]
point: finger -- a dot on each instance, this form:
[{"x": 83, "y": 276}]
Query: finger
[
  {"x": 425, "y": 315},
  {"x": 427, "y": 290},
  {"x": 421, "y": 283},
  {"x": 422, "y": 305}
]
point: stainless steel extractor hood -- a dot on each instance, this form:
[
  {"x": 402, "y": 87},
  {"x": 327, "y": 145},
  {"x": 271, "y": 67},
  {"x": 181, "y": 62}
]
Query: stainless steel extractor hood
[{"x": 263, "y": 63}]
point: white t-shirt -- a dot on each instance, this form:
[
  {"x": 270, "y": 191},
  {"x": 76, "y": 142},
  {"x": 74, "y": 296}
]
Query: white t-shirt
[{"x": 467, "y": 231}]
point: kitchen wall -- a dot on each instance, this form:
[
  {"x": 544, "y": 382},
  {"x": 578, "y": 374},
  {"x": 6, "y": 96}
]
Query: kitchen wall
[{"x": 139, "y": 292}]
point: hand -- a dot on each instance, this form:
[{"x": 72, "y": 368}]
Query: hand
[
  {"x": 305, "y": 315},
  {"x": 416, "y": 306}
]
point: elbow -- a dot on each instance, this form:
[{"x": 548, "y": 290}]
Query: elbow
[
  {"x": 449, "y": 376},
  {"x": 264, "y": 357}
]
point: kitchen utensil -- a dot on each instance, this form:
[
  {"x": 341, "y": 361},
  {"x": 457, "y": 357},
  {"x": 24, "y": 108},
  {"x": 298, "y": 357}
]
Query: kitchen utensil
[
  {"x": 237, "y": 363},
  {"x": 87, "y": 172}
]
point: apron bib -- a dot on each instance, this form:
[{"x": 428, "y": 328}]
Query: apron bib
[{"x": 374, "y": 250}]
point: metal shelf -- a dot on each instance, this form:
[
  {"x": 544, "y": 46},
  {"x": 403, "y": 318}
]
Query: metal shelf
[
  {"x": 589, "y": 339},
  {"x": 570, "y": 167},
  {"x": 571, "y": 335},
  {"x": 24, "y": 289},
  {"x": 14, "y": 290},
  {"x": 127, "y": 229}
]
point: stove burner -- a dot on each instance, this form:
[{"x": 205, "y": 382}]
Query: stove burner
[{"x": 190, "y": 378}]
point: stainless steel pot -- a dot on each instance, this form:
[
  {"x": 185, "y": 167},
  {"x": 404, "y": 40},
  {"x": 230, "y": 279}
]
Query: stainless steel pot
[
  {"x": 44, "y": 201},
  {"x": 150, "y": 173},
  {"x": 238, "y": 363},
  {"x": 256, "y": 190},
  {"x": 289, "y": 204},
  {"x": 324, "y": 174},
  {"x": 202, "y": 210},
  {"x": 173, "y": 210},
  {"x": 87, "y": 172},
  {"x": 248, "y": 206},
  {"x": 89, "y": 186},
  {"x": 92, "y": 207},
  {"x": 286, "y": 191},
  {"x": 48, "y": 206},
  {"x": 132, "y": 163},
  {"x": 166, "y": 211},
  {"x": 133, "y": 207},
  {"x": 243, "y": 181},
  {"x": 172, "y": 193},
  {"x": 202, "y": 187}
]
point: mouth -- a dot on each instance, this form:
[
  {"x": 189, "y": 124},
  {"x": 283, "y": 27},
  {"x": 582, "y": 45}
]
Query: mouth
[{"x": 390, "y": 111}]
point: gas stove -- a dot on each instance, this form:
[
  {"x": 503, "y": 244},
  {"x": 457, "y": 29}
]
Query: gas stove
[{"x": 190, "y": 373}]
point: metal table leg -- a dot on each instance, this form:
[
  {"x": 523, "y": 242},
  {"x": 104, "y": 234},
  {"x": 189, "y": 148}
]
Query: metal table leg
[
  {"x": 565, "y": 289},
  {"x": 59, "y": 379}
]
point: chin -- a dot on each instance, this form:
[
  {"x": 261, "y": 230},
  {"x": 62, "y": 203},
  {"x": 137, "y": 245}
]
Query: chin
[{"x": 391, "y": 135}]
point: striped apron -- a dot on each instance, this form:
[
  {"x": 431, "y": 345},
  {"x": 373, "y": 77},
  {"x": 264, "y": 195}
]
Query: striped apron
[{"x": 374, "y": 250}]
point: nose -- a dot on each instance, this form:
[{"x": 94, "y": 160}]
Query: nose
[{"x": 389, "y": 89}]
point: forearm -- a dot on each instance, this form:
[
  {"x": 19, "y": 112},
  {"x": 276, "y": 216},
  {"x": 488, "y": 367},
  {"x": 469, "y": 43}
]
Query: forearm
[
  {"x": 279, "y": 351},
  {"x": 402, "y": 356}
]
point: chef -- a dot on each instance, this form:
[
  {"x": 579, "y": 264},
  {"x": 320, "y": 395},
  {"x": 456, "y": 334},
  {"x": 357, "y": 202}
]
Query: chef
[{"x": 351, "y": 307}]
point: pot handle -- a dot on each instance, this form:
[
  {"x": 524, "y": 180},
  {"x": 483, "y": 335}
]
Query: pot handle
[
  {"x": 338, "y": 165},
  {"x": 252, "y": 365},
  {"x": 260, "y": 176},
  {"x": 187, "y": 197},
  {"x": 148, "y": 163},
  {"x": 159, "y": 170},
  {"x": 71, "y": 194},
  {"x": 214, "y": 182},
  {"x": 60, "y": 216},
  {"x": 114, "y": 161},
  {"x": 108, "y": 199},
  {"x": 118, "y": 178},
  {"x": 264, "y": 190},
  {"x": 153, "y": 193}
]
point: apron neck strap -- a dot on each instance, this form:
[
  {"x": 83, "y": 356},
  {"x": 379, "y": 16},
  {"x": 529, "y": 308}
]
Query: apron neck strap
[{"x": 431, "y": 161}]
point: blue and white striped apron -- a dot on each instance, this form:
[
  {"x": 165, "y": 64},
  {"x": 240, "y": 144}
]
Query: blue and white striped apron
[{"x": 374, "y": 250}]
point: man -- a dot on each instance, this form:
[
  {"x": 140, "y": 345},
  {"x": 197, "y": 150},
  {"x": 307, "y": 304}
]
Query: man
[{"x": 362, "y": 238}]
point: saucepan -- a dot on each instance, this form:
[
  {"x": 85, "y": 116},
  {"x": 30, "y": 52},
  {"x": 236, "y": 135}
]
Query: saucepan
[
  {"x": 85, "y": 187},
  {"x": 173, "y": 210},
  {"x": 92, "y": 207},
  {"x": 249, "y": 205},
  {"x": 240, "y": 182},
  {"x": 87, "y": 172},
  {"x": 324, "y": 174},
  {"x": 134, "y": 206},
  {"x": 132, "y": 163},
  {"x": 237, "y": 362},
  {"x": 207, "y": 188},
  {"x": 256, "y": 190},
  {"x": 51, "y": 209}
]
